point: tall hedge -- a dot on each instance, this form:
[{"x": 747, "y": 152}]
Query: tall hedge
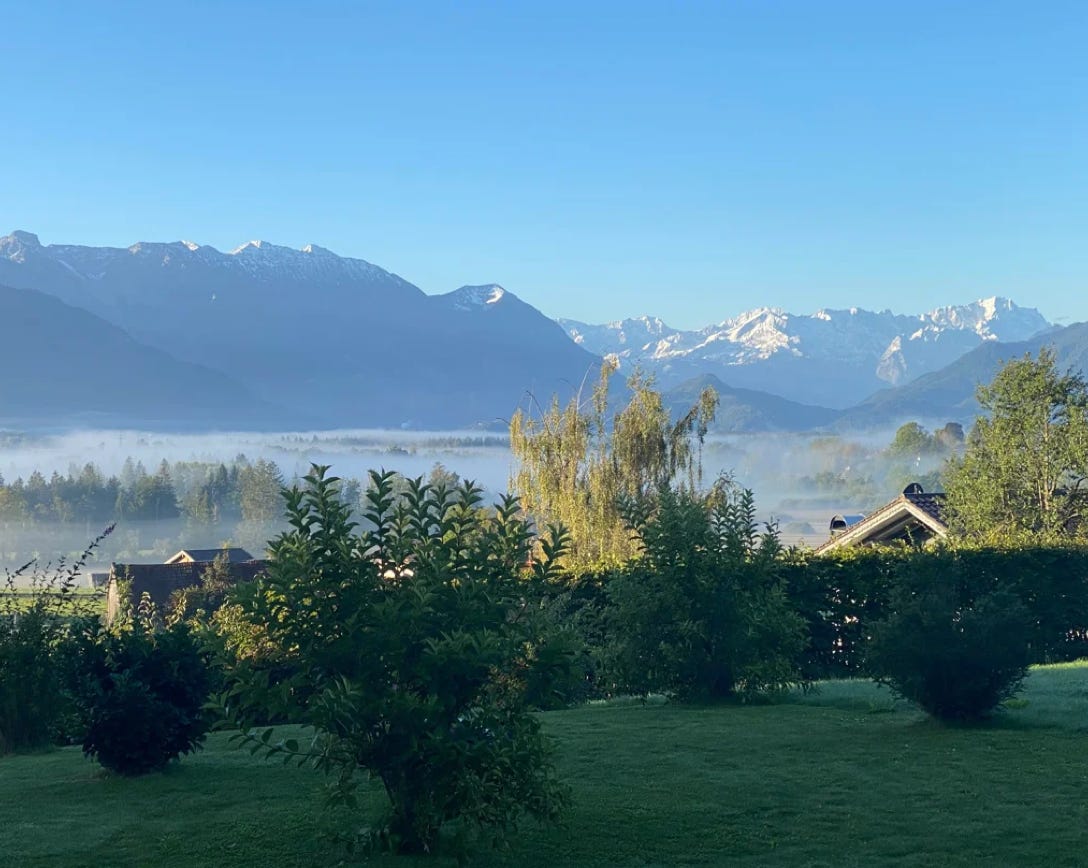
[{"x": 841, "y": 593}]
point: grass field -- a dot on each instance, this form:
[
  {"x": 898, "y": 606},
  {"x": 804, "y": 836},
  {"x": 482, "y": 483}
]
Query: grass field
[
  {"x": 844, "y": 776},
  {"x": 22, "y": 599}
]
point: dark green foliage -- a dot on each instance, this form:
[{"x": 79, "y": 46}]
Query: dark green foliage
[
  {"x": 31, "y": 695},
  {"x": 705, "y": 611},
  {"x": 953, "y": 642},
  {"x": 35, "y": 623},
  {"x": 411, "y": 648},
  {"x": 1052, "y": 584},
  {"x": 150, "y": 498},
  {"x": 140, "y": 695},
  {"x": 842, "y": 594}
]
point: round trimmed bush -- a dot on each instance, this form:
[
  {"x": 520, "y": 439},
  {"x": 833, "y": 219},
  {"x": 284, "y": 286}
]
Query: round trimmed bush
[
  {"x": 141, "y": 696},
  {"x": 953, "y": 645}
]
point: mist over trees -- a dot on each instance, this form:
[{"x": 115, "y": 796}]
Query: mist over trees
[
  {"x": 186, "y": 503},
  {"x": 181, "y": 504}
]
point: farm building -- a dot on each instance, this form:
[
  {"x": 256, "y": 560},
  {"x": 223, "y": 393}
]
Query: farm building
[
  {"x": 160, "y": 581},
  {"x": 915, "y": 517}
]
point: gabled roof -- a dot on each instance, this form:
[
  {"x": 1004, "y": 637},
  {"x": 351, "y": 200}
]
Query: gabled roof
[
  {"x": 204, "y": 556},
  {"x": 914, "y": 515}
]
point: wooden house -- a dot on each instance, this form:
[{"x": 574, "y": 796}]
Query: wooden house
[
  {"x": 160, "y": 581},
  {"x": 914, "y": 517}
]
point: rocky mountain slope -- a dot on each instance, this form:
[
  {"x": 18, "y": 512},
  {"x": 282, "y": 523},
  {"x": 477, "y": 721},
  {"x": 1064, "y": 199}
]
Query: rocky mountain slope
[
  {"x": 61, "y": 365},
  {"x": 949, "y": 393},
  {"x": 335, "y": 340}
]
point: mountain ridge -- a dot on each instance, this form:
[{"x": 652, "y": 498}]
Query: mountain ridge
[
  {"x": 337, "y": 340},
  {"x": 759, "y": 348},
  {"x": 948, "y": 394},
  {"x": 333, "y": 341}
]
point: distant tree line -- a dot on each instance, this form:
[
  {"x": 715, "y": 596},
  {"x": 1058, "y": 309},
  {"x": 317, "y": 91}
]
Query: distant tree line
[
  {"x": 182, "y": 503},
  {"x": 200, "y": 493}
]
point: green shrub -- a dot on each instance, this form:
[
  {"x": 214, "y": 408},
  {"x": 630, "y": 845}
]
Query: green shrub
[
  {"x": 954, "y": 643},
  {"x": 140, "y": 694},
  {"x": 704, "y": 613},
  {"x": 31, "y": 696},
  {"x": 37, "y": 609},
  {"x": 411, "y": 648}
]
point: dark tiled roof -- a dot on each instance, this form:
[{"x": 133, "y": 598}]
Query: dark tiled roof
[
  {"x": 931, "y": 504},
  {"x": 161, "y": 580}
]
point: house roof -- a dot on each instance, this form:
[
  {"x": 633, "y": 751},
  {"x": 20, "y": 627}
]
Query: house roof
[
  {"x": 161, "y": 580},
  {"x": 234, "y": 555},
  {"x": 913, "y": 513}
]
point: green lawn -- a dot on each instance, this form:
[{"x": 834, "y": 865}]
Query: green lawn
[{"x": 844, "y": 776}]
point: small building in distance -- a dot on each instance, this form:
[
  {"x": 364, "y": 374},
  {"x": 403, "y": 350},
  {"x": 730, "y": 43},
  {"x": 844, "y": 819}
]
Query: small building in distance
[
  {"x": 205, "y": 556},
  {"x": 97, "y": 578},
  {"x": 914, "y": 517},
  {"x": 160, "y": 581}
]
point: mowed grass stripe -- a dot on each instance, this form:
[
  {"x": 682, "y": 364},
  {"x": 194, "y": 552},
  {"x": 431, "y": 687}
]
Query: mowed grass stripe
[{"x": 845, "y": 776}]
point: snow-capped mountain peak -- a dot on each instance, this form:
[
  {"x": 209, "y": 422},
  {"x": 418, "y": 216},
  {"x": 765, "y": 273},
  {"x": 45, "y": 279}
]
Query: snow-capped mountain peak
[
  {"x": 16, "y": 245},
  {"x": 249, "y": 246},
  {"x": 873, "y": 348},
  {"x": 256, "y": 259}
]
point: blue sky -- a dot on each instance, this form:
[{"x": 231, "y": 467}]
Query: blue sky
[{"x": 601, "y": 160}]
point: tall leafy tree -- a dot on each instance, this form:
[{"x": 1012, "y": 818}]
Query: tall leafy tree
[
  {"x": 574, "y": 463},
  {"x": 911, "y": 441},
  {"x": 1024, "y": 469}
]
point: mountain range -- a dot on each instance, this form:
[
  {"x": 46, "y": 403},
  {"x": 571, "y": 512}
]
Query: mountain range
[
  {"x": 180, "y": 334},
  {"x": 835, "y": 358},
  {"x": 330, "y": 341}
]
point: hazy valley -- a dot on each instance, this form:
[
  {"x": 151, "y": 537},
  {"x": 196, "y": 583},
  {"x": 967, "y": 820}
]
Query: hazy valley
[{"x": 179, "y": 353}]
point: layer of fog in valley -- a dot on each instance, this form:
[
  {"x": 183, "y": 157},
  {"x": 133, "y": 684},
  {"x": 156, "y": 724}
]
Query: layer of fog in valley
[
  {"x": 483, "y": 457},
  {"x": 171, "y": 491}
]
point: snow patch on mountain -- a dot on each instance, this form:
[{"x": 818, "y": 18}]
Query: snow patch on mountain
[
  {"x": 16, "y": 245},
  {"x": 472, "y": 298}
]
